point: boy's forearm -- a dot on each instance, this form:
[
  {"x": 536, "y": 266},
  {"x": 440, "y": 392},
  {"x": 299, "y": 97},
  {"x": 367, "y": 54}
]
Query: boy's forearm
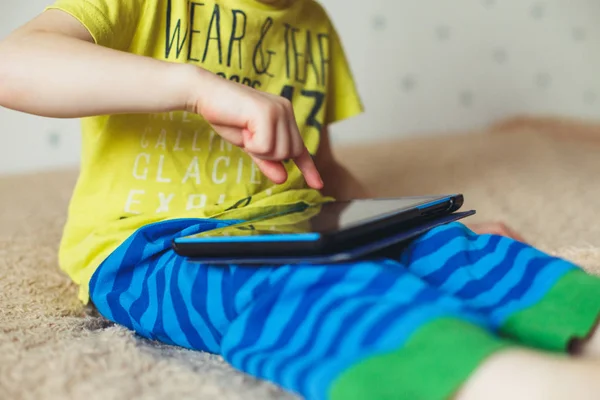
[{"x": 54, "y": 75}]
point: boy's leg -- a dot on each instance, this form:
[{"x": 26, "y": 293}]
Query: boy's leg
[
  {"x": 529, "y": 296},
  {"x": 143, "y": 287},
  {"x": 368, "y": 330}
]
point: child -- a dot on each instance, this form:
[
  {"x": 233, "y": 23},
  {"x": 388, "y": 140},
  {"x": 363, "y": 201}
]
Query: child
[{"x": 188, "y": 122}]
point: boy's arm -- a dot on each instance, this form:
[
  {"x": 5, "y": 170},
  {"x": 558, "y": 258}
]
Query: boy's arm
[
  {"x": 339, "y": 182},
  {"x": 52, "y": 67}
]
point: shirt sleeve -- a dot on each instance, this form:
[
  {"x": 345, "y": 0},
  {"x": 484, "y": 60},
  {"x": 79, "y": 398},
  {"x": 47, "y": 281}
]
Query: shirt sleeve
[
  {"x": 343, "y": 100},
  {"x": 112, "y": 23}
]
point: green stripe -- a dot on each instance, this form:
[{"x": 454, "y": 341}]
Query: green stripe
[
  {"x": 570, "y": 310},
  {"x": 432, "y": 364}
]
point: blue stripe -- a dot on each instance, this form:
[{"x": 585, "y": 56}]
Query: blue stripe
[
  {"x": 528, "y": 284},
  {"x": 159, "y": 326},
  {"x": 180, "y": 306},
  {"x": 520, "y": 269},
  {"x": 296, "y": 370},
  {"x": 477, "y": 286},
  {"x": 200, "y": 301},
  {"x": 247, "y": 334},
  {"x": 453, "y": 273},
  {"x": 535, "y": 267},
  {"x": 215, "y": 298},
  {"x": 139, "y": 307},
  {"x": 98, "y": 285},
  {"x": 434, "y": 240},
  {"x": 353, "y": 324},
  {"x": 129, "y": 298},
  {"x": 149, "y": 316},
  {"x": 228, "y": 293},
  {"x": 352, "y": 348},
  {"x": 430, "y": 263},
  {"x": 245, "y": 283},
  {"x": 302, "y": 342},
  {"x": 171, "y": 322},
  {"x": 281, "y": 313},
  {"x": 122, "y": 280},
  {"x": 94, "y": 287},
  {"x": 373, "y": 333},
  {"x": 388, "y": 285},
  {"x": 231, "y": 340},
  {"x": 326, "y": 328},
  {"x": 531, "y": 290},
  {"x": 317, "y": 383},
  {"x": 187, "y": 276},
  {"x": 354, "y": 329},
  {"x": 400, "y": 330},
  {"x": 300, "y": 326}
]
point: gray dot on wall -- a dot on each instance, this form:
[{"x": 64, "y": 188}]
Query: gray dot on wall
[
  {"x": 442, "y": 32},
  {"x": 543, "y": 80},
  {"x": 500, "y": 55},
  {"x": 466, "y": 98},
  {"x": 488, "y": 3},
  {"x": 408, "y": 83},
  {"x": 589, "y": 97},
  {"x": 579, "y": 34},
  {"x": 538, "y": 10},
  {"x": 54, "y": 139},
  {"x": 378, "y": 23}
]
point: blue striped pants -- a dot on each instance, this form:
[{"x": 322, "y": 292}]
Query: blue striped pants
[{"x": 306, "y": 327}]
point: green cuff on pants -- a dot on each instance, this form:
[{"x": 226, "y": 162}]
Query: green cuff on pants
[
  {"x": 433, "y": 364},
  {"x": 569, "y": 311}
]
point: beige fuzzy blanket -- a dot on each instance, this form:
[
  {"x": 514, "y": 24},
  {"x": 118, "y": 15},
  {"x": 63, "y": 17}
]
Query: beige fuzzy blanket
[{"x": 541, "y": 176}]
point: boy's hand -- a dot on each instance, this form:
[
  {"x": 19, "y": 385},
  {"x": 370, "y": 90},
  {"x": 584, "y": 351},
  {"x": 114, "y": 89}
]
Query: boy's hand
[{"x": 261, "y": 123}]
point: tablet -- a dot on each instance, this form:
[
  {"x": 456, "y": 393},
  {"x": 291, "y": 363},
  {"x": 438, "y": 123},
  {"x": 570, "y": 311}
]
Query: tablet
[{"x": 303, "y": 230}]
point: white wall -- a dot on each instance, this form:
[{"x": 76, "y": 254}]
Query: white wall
[
  {"x": 441, "y": 65},
  {"x": 31, "y": 143},
  {"x": 423, "y": 66}
]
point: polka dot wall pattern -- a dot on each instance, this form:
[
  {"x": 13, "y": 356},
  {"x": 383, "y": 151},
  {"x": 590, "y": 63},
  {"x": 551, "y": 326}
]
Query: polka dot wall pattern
[{"x": 436, "y": 66}]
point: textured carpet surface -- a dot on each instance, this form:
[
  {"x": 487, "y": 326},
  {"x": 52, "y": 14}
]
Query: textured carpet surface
[{"x": 52, "y": 348}]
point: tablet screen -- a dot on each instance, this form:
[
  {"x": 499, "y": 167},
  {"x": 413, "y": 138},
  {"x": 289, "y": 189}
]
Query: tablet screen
[
  {"x": 341, "y": 215},
  {"x": 325, "y": 218}
]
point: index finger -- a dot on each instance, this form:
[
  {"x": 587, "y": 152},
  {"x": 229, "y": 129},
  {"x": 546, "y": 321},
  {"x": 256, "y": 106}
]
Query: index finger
[{"x": 307, "y": 167}]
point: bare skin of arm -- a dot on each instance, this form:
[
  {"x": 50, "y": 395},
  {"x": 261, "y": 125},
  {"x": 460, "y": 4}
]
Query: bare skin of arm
[{"x": 79, "y": 78}]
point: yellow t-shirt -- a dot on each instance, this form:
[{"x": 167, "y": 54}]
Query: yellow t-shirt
[{"x": 139, "y": 169}]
